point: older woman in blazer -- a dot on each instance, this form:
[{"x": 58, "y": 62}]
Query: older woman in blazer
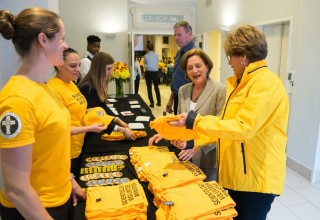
[{"x": 204, "y": 96}]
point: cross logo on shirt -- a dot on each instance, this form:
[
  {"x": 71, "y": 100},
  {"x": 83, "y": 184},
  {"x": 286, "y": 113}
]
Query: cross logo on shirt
[{"x": 10, "y": 125}]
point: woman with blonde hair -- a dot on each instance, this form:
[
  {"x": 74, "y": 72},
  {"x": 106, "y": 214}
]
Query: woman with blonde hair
[{"x": 94, "y": 87}]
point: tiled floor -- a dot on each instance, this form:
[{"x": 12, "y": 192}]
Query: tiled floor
[{"x": 300, "y": 200}]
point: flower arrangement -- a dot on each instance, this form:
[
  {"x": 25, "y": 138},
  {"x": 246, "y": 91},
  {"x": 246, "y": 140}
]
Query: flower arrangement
[
  {"x": 120, "y": 74},
  {"x": 120, "y": 71}
]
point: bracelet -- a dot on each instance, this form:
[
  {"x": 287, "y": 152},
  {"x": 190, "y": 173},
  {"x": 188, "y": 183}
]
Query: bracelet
[{"x": 71, "y": 176}]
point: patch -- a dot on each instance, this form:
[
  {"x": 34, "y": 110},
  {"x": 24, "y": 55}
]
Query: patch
[{"x": 10, "y": 125}]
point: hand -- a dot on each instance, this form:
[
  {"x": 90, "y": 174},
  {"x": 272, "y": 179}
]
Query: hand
[
  {"x": 128, "y": 134},
  {"x": 186, "y": 154},
  {"x": 169, "y": 106},
  {"x": 155, "y": 139},
  {"x": 181, "y": 122},
  {"x": 77, "y": 192},
  {"x": 179, "y": 144},
  {"x": 97, "y": 128},
  {"x": 121, "y": 123}
]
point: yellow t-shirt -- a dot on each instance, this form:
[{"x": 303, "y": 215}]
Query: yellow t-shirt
[
  {"x": 76, "y": 103},
  {"x": 30, "y": 113}
]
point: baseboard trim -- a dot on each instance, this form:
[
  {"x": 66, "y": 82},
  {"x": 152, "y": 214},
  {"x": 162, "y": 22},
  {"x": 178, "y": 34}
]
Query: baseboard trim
[{"x": 303, "y": 171}]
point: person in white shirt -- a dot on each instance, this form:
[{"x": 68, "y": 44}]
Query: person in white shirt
[
  {"x": 93, "y": 47},
  {"x": 137, "y": 74}
]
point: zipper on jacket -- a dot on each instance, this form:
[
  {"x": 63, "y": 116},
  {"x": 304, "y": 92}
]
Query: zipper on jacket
[
  {"x": 218, "y": 147},
  {"x": 243, "y": 158}
]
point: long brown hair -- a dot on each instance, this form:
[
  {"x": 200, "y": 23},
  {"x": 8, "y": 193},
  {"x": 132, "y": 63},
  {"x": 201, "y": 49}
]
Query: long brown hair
[{"x": 97, "y": 77}]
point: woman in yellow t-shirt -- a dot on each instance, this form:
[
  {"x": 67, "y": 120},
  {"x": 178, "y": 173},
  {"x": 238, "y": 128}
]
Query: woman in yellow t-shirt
[
  {"x": 75, "y": 102},
  {"x": 34, "y": 125}
]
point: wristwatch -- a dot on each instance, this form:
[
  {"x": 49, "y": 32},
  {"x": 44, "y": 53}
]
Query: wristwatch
[{"x": 71, "y": 176}]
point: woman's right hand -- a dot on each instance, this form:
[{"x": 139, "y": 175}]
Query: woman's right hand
[
  {"x": 97, "y": 128},
  {"x": 155, "y": 139}
]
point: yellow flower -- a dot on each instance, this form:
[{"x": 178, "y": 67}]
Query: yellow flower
[{"x": 120, "y": 71}]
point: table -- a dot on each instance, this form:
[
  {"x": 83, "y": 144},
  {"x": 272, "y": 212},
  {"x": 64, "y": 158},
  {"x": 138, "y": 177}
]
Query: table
[{"x": 94, "y": 146}]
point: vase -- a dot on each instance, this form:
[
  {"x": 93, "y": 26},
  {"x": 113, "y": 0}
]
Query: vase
[{"x": 119, "y": 88}]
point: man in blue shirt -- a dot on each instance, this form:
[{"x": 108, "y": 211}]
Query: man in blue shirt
[
  {"x": 183, "y": 37},
  {"x": 151, "y": 60}
]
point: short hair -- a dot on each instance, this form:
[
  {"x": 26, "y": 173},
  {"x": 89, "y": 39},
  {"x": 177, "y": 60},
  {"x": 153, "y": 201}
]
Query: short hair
[
  {"x": 27, "y": 25},
  {"x": 196, "y": 52},
  {"x": 65, "y": 54},
  {"x": 96, "y": 76},
  {"x": 186, "y": 26},
  {"x": 92, "y": 39},
  {"x": 246, "y": 40},
  {"x": 149, "y": 46}
]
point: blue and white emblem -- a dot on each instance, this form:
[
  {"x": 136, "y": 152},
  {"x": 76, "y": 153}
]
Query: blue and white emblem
[{"x": 10, "y": 125}]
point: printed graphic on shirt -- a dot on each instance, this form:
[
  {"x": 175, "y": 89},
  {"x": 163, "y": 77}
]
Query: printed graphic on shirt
[{"x": 10, "y": 125}]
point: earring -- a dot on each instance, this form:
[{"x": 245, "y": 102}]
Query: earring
[{"x": 242, "y": 62}]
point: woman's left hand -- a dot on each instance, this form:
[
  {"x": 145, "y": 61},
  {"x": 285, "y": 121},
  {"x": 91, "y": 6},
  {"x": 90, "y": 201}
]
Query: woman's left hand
[
  {"x": 77, "y": 193},
  {"x": 186, "y": 154}
]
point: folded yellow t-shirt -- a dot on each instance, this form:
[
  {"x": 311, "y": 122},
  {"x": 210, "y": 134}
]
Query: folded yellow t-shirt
[{"x": 169, "y": 132}]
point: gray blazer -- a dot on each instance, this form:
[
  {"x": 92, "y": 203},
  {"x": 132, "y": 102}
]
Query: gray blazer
[{"x": 210, "y": 102}]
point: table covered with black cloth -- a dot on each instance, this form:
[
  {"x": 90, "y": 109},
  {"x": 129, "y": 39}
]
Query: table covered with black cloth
[{"x": 118, "y": 153}]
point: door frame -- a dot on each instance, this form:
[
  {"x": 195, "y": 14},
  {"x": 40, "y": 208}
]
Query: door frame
[{"x": 290, "y": 20}]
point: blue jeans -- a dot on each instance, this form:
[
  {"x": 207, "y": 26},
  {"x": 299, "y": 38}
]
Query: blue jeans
[{"x": 252, "y": 205}]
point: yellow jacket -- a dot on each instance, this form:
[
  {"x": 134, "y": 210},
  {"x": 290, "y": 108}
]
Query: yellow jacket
[{"x": 251, "y": 131}]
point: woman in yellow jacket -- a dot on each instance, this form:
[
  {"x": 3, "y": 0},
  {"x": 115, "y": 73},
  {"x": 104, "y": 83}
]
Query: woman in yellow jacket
[{"x": 251, "y": 130}]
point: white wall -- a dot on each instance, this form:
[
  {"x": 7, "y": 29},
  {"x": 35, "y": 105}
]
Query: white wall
[
  {"x": 304, "y": 142},
  {"x": 303, "y": 131},
  {"x": 9, "y": 60},
  {"x": 83, "y": 18}
]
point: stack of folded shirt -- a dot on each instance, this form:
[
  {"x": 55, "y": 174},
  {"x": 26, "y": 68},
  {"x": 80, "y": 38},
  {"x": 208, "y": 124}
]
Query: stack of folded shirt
[
  {"x": 152, "y": 163},
  {"x": 174, "y": 175},
  {"x": 201, "y": 200},
  {"x": 126, "y": 201},
  {"x": 137, "y": 152}
]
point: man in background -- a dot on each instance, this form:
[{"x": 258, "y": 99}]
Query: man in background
[
  {"x": 183, "y": 37},
  {"x": 151, "y": 60},
  {"x": 93, "y": 47}
]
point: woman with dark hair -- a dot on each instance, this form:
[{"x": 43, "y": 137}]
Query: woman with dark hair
[
  {"x": 35, "y": 126},
  {"x": 94, "y": 87},
  {"x": 251, "y": 130},
  {"x": 75, "y": 102}
]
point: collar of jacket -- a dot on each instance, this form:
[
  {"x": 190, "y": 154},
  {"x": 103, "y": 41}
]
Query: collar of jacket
[{"x": 248, "y": 73}]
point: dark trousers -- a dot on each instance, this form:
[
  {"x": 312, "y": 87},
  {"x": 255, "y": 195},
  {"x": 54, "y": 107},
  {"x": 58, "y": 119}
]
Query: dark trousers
[
  {"x": 136, "y": 84},
  {"x": 251, "y": 205},
  {"x": 76, "y": 167},
  {"x": 175, "y": 103},
  {"x": 63, "y": 212},
  {"x": 152, "y": 77}
]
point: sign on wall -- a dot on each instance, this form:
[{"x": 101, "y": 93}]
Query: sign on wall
[{"x": 159, "y": 18}]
